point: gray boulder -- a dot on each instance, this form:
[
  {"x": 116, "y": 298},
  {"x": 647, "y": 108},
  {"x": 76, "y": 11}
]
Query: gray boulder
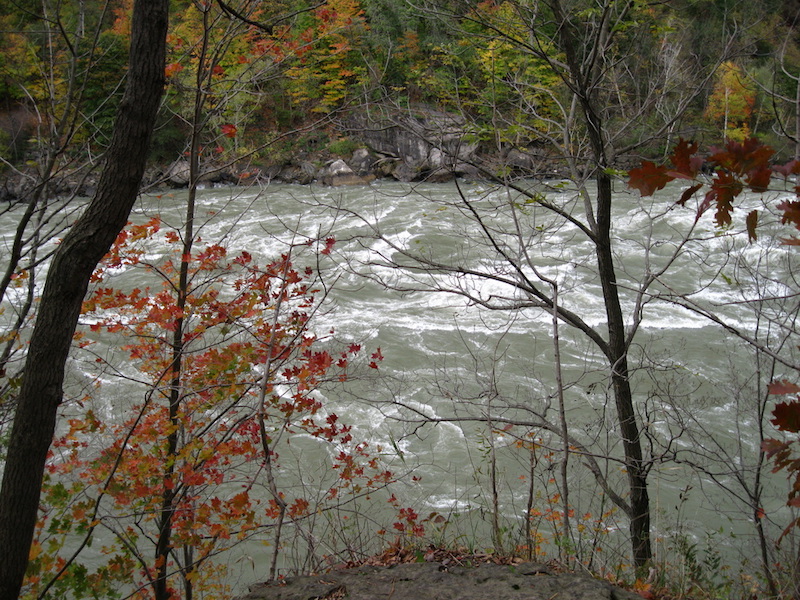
[
  {"x": 362, "y": 162},
  {"x": 339, "y": 173},
  {"x": 304, "y": 173},
  {"x": 178, "y": 173}
]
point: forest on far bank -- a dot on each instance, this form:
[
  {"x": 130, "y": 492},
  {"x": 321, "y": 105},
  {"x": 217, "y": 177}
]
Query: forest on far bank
[
  {"x": 285, "y": 78},
  {"x": 616, "y": 169}
]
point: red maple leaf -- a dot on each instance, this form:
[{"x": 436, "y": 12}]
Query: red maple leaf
[{"x": 329, "y": 243}]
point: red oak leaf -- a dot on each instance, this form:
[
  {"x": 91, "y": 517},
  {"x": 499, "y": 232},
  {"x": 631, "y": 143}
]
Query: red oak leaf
[
  {"x": 752, "y": 221},
  {"x": 684, "y": 160},
  {"x": 688, "y": 193},
  {"x": 787, "y": 416},
  {"x": 649, "y": 178},
  {"x": 780, "y": 388},
  {"x": 791, "y": 212}
]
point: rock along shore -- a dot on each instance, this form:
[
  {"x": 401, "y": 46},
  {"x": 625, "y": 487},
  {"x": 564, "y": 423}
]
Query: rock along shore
[{"x": 421, "y": 145}]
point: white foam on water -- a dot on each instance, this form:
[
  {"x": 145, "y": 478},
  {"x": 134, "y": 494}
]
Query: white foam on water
[
  {"x": 448, "y": 504},
  {"x": 433, "y": 341}
]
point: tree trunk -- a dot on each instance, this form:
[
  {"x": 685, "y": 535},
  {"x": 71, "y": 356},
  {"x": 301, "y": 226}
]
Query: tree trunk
[
  {"x": 67, "y": 280},
  {"x": 623, "y": 396},
  {"x": 797, "y": 120},
  {"x": 581, "y": 79}
]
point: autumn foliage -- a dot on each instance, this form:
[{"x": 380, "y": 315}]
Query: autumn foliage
[
  {"x": 786, "y": 417},
  {"x": 725, "y": 174},
  {"x": 719, "y": 180},
  {"x": 249, "y": 380},
  {"x": 327, "y": 63},
  {"x": 732, "y": 102}
]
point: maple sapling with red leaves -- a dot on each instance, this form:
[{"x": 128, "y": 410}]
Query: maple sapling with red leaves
[{"x": 249, "y": 377}]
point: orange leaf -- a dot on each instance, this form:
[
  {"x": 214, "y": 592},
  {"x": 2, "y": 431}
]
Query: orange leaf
[
  {"x": 780, "y": 388},
  {"x": 173, "y": 69}
]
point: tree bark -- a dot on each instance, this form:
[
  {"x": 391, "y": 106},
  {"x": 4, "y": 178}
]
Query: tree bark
[
  {"x": 623, "y": 396},
  {"x": 582, "y": 79},
  {"x": 797, "y": 120},
  {"x": 67, "y": 280}
]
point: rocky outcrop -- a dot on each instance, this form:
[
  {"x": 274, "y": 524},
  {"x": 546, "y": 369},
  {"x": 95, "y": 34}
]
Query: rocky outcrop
[
  {"x": 422, "y": 143},
  {"x": 21, "y": 185},
  {"x": 419, "y": 144},
  {"x": 417, "y": 581}
]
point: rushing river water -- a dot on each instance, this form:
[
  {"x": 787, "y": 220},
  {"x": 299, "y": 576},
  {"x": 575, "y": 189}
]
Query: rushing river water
[{"x": 463, "y": 390}]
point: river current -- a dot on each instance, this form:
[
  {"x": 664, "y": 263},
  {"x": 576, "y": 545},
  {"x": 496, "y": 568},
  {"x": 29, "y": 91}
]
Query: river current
[{"x": 484, "y": 378}]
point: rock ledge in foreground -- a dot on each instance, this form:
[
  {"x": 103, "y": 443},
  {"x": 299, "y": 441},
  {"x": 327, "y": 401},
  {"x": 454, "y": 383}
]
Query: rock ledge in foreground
[{"x": 422, "y": 581}]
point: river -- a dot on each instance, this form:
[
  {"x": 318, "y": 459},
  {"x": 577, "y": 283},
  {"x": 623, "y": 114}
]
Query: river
[{"x": 459, "y": 399}]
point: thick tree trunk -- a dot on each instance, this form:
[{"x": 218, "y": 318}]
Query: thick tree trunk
[{"x": 67, "y": 280}]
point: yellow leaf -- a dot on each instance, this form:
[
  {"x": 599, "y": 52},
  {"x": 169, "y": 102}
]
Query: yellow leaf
[{"x": 36, "y": 550}]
